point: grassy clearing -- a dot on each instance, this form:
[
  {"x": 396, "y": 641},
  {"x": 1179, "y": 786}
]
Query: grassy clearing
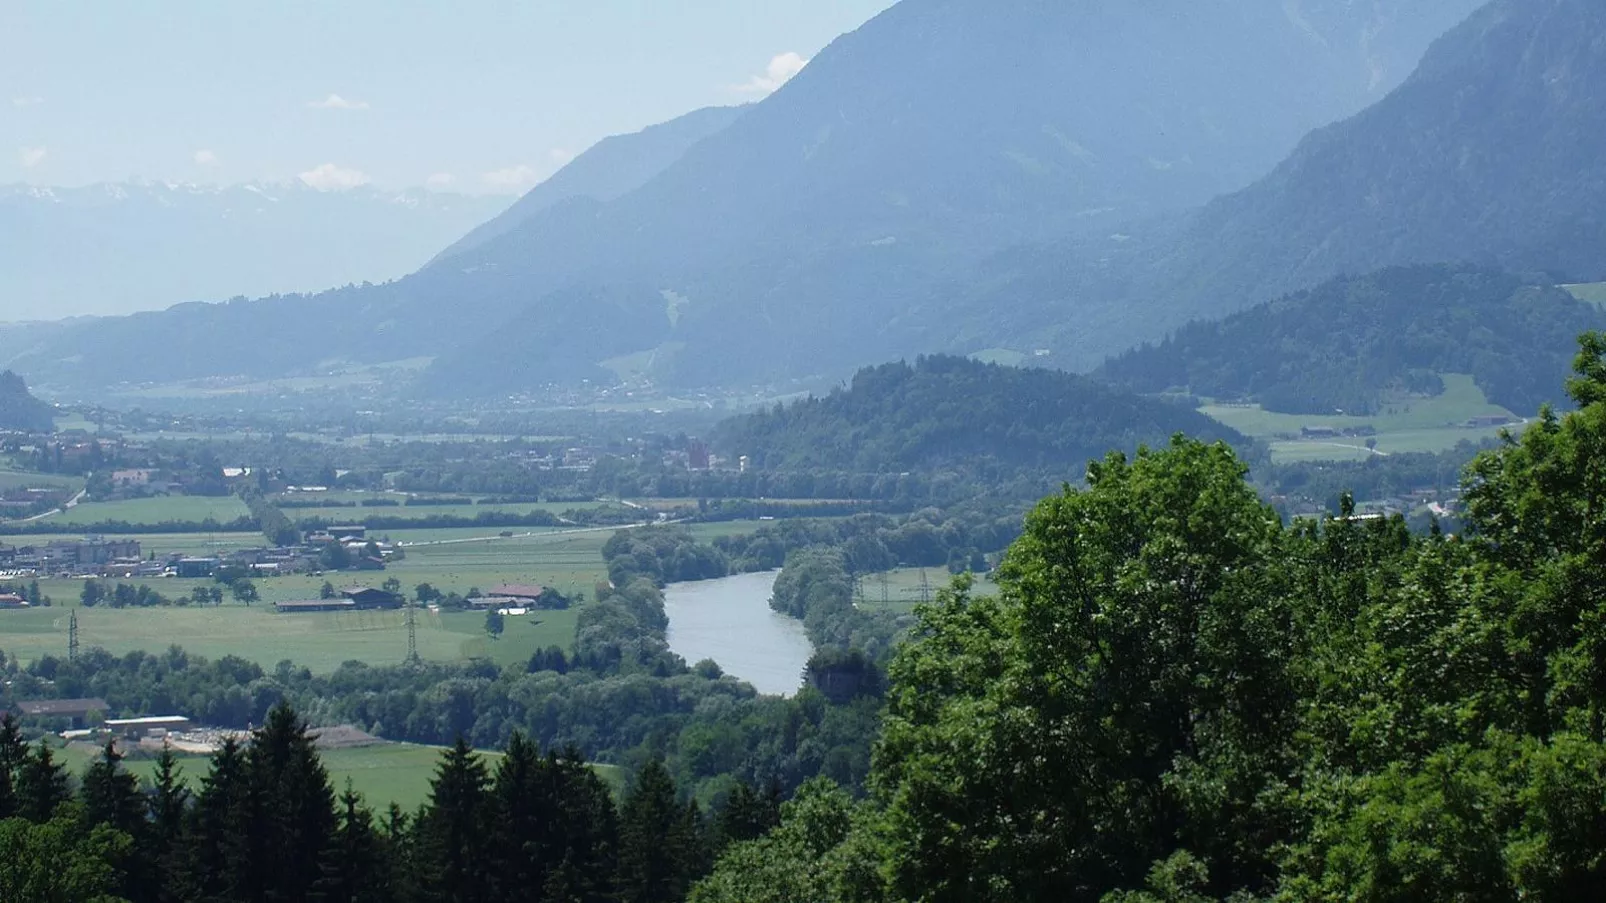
[
  {"x": 159, "y": 510},
  {"x": 1408, "y": 425},
  {"x": 388, "y": 773},
  {"x": 900, "y": 590},
  {"x": 521, "y": 636},
  {"x": 21, "y": 479},
  {"x": 162, "y": 544},
  {"x": 1592, "y": 293}
]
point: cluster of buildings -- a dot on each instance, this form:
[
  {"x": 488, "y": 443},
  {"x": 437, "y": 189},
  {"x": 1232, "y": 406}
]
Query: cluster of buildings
[{"x": 88, "y": 557}]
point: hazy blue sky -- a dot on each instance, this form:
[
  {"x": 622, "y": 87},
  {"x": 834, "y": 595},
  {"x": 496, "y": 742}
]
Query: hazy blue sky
[{"x": 473, "y": 94}]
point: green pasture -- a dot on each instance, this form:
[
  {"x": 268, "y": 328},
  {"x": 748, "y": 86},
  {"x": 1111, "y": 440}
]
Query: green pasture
[
  {"x": 157, "y": 510},
  {"x": 359, "y": 515},
  {"x": 900, "y": 590},
  {"x": 1406, "y": 425},
  {"x": 1593, "y": 292},
  {"x": 21, "y": 479},
  {"x": 387, "y": 773}
]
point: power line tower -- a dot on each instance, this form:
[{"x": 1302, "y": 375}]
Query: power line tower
[
  {"x": 72, "y": 635},
  {"x": 925, "y": 588},
  {"x": 412, "y": 633}
]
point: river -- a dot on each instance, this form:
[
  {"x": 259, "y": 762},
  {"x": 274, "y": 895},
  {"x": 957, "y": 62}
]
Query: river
[{"x": 730, "y": 621}]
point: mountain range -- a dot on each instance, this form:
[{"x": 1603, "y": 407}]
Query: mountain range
[
  {"x": 115, "y": 248},
  {"x": 1023, "y": 178}
]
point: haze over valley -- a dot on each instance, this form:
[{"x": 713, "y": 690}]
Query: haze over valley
[{"x": 850, "y": 451}]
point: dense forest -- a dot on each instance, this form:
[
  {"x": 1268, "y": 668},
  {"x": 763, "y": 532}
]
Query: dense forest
[
  {"x": 948, "y": 413},
  {"x": 1355, "y": 343},
  {"x": 19, "y": 410}
]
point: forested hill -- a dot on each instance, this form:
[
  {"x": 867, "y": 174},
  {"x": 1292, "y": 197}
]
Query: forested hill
[
  {"x": 1351, "y": 342},
  {"x": 19, "y": 410},
  {"x": 948, "y": 411}
]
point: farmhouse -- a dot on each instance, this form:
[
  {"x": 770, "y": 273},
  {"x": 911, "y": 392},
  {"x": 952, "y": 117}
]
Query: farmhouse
[
  {"x": 136, "y": 728},
  {"x": 11, "y": 600}
]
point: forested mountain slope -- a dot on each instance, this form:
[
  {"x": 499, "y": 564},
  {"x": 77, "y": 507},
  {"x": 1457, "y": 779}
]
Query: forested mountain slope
[
  {"x": 1489, "y": 154},
  {"x": 810, "y": 234},
  {"x": 19, "y": 410},
  {"x": 1348, "y": 343},
  {"x": 118, "y": 248},
  {"x": 948, "y": 411}
]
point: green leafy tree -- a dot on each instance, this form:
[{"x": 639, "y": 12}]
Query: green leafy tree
[
  {"x": 59, "y": 862},
  {"x": 495, "y": 622}
]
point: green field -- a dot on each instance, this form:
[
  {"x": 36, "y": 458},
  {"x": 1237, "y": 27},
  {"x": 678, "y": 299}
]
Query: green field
[
  {"x": 383, "y": 774},
  {"x": 391, "y": 772},
  {"x": 21, "y": 479},
  {"x": 1593, "y": 292},
  {"x": 1407, "y": 425},
  {"x": 570, "y": 562},
  {"x": 159, "y": 510},
  {"x": 900, "y": 590},
  {"x": 162, "y": 544}
]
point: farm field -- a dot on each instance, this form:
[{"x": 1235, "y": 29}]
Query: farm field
[
  {"x": 159, "y": 510},
  {"x": 383, "y": 774},
  {"x": 571, "y": 563},
  {"x": 1593, "y": 292},
  {"x": 1414, "y": 425},
  {"x": 902, "y": 588},
  {"x": 21, "y": 479},
  {"x": 162, "y": 544}
]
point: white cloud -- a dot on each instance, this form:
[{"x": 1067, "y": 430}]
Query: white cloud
[
  {"x": 336, "y": 102},
  {"x": 30, "y": 157},
  {"x": 27, "y": 101},
  {"x": 781, "y": 70},
  {"x": 510, "y": 179},
  {"x": 330, "y": 177},
  {"x": 560, "y": 156},
  {"x": 440, "y": 180},
  {"x": 204, "y": 157}
]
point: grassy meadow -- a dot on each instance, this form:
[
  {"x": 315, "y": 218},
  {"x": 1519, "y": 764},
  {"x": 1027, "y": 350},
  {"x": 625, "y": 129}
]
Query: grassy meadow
[
  {"x": 1409, "y": 425},
  {"x": 157, "y": 510}
]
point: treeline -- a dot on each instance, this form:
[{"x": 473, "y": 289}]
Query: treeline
[
  {"x": 274, "y": 524},
  {"x": 1176, "y": 697},
  {"x": 1350, "y": 344},
  {"x": 29, "y": 592},
  {"x": 265, "y": 823}
]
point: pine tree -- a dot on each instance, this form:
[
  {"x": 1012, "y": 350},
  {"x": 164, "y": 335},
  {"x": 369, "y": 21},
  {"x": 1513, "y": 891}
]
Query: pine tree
[
  {"x": 654, "y": 862},
  {"x": 580, "y": 847},
  {"x": 167, "y": 806},
  {"x": 13, "y": 749},
  {"x": 748, "y": 814},
  {"x": 111, "y": 795},
  {"x": 216, "y": 851},
  {"x": 453, "y": 828},
  {"x": 522, "y": 812},
  {"x": 356, "y": 867},
  {"x": 296, "y": 821},
  {"x": 41, "y": 785}
]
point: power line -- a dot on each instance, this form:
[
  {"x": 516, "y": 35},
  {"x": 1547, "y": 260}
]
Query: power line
[
  {"x": 72, "y": 635},
  {"x": 412, "y": 633}
]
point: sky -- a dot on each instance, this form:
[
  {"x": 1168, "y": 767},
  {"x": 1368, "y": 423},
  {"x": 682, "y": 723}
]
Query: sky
[{"x": 483, "y": 96}]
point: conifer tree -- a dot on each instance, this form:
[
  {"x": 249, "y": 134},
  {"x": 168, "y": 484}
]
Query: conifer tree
[
  {"x": 522, "y": 810},
  {"x": 356, "y": 867},
  {"x": 296, "y": 819},
  {"x": 111, "y": 795},
  {"x": 216, "y": 847},
  {"x": 167, "y": 806},
  {"x": 13, "y": 749},
  {"x": 452, "y": 829},
  {"x": 41, "y": 785},
  {"x": 654, "y": 852}
]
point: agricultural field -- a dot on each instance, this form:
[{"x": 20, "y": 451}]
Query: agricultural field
[
  {"x": 21, "y": 479},
  {"x": 158, "y": 510},
  {"x": 386, "y": 773},
  {"x": 160, "y": 544},
  {"x": 341, "y": 513},
  {"x": 1594, "y": 293},
  {"x": 901, "y": 590},
  {"x": 1411, "y": 425},
  {"x": 570, "y": 562}
]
